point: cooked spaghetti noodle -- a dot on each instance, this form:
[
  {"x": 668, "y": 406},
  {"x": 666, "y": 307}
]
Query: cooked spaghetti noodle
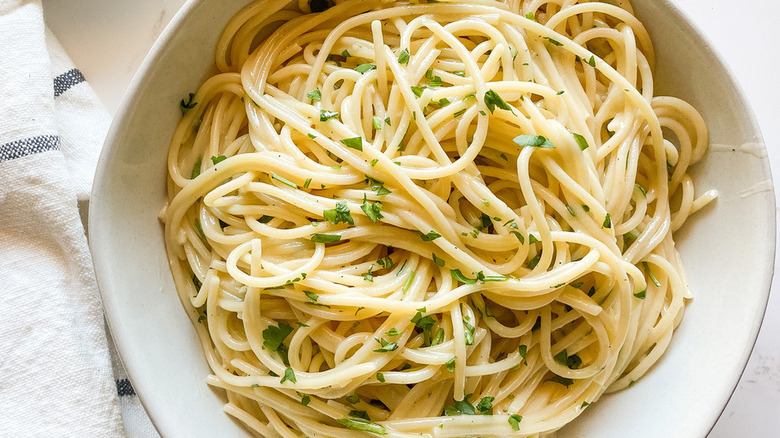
[{"x": 447, "y": 219}]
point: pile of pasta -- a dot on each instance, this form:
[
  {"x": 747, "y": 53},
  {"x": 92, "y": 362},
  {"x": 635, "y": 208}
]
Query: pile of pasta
[{"x": 450, "y": 218}]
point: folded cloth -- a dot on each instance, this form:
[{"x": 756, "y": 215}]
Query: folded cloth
[{"x": 56, "y": 376}]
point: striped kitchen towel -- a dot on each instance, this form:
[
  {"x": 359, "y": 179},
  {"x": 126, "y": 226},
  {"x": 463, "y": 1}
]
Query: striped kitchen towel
[{"x": 56, "y": 375}]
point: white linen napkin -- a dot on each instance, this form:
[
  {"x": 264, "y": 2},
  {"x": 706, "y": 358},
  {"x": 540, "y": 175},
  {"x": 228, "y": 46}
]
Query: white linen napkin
[{"x": 56, "y": 376}]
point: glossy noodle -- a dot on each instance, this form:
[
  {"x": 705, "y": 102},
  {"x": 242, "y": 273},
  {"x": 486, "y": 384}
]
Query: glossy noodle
[{"x": 447, "y": 219}]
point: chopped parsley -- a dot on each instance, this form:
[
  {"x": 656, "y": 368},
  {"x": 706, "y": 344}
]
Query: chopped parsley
[
  {"x": 431, "y": 235},
  {"x": 592, "y": 61},
  {"x": 284, "y": 180},
  {"x": 363, "y": 425},
  {"x": 437, "y": 260},
  {"x": 514, "y": 421},
  {"x": 450, "y": 365},
  {"x": 339, "y": 214},
  {"x": 561, "y": 380},
  {"x": 380, "y": 377},
  {"x": 418, "y": 91},
  {"x": 372, "y": 209},
  {"x": 485, "y": 405},
  {"x": 553, "y": 42},
  {"x": 312, "y": 296},
  {"x": 537, "y": 141},
  {"x": 218, "y": 159},
  {"x": 273, "y": 336},
  {"x": 314, "y": 95},
  {"x": 377, "y": 123},
  {"x": 493, "y": 100},
  {"x": 650, "y": 274},
  {"x": 458, "y": 276},
  {"x": 386, "y": 346},
  {"x": 186, "y": 106},
  {"x": 327, "y": 115},
  {"x": 305, "y": 400},
  {"x": 196, "y": 168},
  {"x": 353, "y": 143},
  {"x": 607, "y": 222},
  {"x": 362, "y": 68},
  {"x": 403, "y": 57},
  {"x": 581, "y": 142},
  {"x": 641, "y": 295},
  {"x": 325, "y": 238}
]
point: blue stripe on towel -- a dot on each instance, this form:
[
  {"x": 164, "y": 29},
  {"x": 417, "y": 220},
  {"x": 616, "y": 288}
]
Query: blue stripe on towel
[
  {"x": 124, "y": 387},
  {"x": 28, "y": 146},
  {"x": 66, "y": 80}
]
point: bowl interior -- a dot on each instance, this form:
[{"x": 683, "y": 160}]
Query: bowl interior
[{"x": 727, "y": 249}]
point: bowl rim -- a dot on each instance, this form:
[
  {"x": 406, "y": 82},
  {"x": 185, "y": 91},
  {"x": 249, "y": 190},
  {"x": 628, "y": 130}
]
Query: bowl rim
[{"x": 108, "y": 152}]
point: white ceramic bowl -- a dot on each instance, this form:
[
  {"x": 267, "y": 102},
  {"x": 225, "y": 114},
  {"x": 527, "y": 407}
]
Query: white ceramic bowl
[{"x": 728, "y": 249}]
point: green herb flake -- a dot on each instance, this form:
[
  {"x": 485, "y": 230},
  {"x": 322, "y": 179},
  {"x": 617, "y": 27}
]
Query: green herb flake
[
  {"x": 372, "y": 209},
  {"x": 312, "y": 296},
  {"x": 185, "y": 107},
  {"x": 218, "y": 159},
  {"x": 339, "y": 214},
  {"x": 353, "y": 143},
  {"x": 607, "y": 222},
  {"x": 450, "y": 365},
  {"x": 307, "y": 183},
  {"x": 408, "y": 283},
  {"x": 553, "y": 42},
  {"x": 431, "y": 235},
  {"x": 325, "y": 238},
  {"x": 386, "y": 346},
  {"x": 273, "y": 336},
  {"x": 519, "y": 236},
  {"x": 592, "y": 61},
  {"x": 377, "y": 123},
  {"x": 374, "y": 161},
  {"x": 641, "y": 295},
  {"x": 196, "y": 168},
  {"x": 581, "y": 142},
  {"x": 469, "y": 333},
  {"x": 485, "y": 405},
  {"x": 537, "y": 141},
  {"x": 363, "y": 425},
  {"x": 327, "y": 115},
  {"x": 531, "y": 16},
  {"x": 561, "y": 380},
  {"x": 651, "y": 275},
  {"x": 305, "y": 400},
  {"x": 314, "y": 95},
  {"x": 458, "y": 276},
  {"x": 641, "y": 189},
  {"x": 534, "y": 261},
  {"x": 362, "y": 68},
  {"x": 435, "y": 82},
  {"x": 460, "y": 112},
  {"x": 345, "y": 54},
  {"x": 380, "y": 377},
  {"x": 571, "y": 211},
  {"x": 493, "y": 100},
  {"x": 437, "y": 260},
  {"x": 201, "y": 234},
  {"x": 284, "y": 181},
  {"x": 393, "y": 332},
  {"x": 514, "y": 421},
  {"x": 403, "y": 57},
  {"x": 584, "y": 405},
  {"x": 523, "y": 350},
  {"x": 418, "y": 91}
]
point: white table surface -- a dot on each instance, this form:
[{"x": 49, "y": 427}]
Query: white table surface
[{"x": 108, "y": 40}]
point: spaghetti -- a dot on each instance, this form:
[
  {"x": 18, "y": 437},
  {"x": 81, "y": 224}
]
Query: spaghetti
[{"x": 447, "y": 219}]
